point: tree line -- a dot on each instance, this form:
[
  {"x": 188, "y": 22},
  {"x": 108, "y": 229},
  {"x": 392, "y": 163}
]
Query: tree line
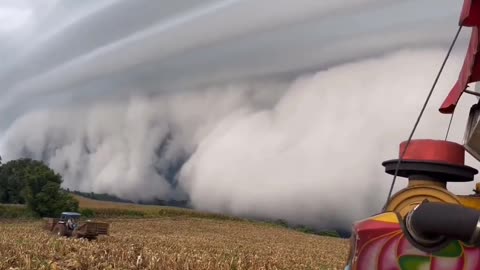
[{"x": 34, "y": 184}]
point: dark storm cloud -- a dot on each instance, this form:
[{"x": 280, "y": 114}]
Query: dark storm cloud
[
  {"x": 164, "y": 43},
  {"x": 268, "y": 103}
]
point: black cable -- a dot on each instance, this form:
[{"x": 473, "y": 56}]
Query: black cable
[
  {"x": 449, "y": 125},
  {"x": 420, "y": 116}
]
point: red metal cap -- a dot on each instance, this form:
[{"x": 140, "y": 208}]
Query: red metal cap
[{"x": 439, "y": 151}]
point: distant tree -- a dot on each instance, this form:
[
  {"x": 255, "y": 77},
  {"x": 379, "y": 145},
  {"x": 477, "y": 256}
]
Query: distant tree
[
  {"x": 48, "y": 200},
  {"x": 12, "y": 182},
  {"x": 34, "y": 183}
]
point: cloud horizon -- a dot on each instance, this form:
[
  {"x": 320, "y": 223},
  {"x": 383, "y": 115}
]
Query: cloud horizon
[{"x": 243, "y": 113}]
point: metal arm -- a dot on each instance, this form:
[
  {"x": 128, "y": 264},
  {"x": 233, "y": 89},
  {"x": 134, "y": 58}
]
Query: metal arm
[{"x": 431, "y": 223}]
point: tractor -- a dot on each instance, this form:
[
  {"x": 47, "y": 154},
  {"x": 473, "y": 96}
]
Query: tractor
[{"x": 69, "y": 225}]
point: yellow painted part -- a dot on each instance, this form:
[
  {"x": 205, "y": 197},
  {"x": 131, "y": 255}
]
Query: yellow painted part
[
  {"x": 470, "y": 202},
  {"x": 406, "y": 199},
  {"x": 386, "y": 217},
  {"x": 416, "y": 192}
]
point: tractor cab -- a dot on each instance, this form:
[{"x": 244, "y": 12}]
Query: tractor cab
[
  {"x": 69, "y": 215},
  {"x": 70, "y": 219}
]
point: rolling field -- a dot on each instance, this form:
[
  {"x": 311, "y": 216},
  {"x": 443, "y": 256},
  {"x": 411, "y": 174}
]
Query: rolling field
[{"x": 180, "y": 240}]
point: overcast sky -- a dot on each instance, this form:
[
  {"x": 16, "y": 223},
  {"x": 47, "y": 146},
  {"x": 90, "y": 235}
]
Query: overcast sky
[{"x": 53, "y": 48}]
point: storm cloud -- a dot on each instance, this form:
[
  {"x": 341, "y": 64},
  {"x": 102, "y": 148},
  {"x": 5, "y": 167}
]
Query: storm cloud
[{"x": 264, "y": 108}]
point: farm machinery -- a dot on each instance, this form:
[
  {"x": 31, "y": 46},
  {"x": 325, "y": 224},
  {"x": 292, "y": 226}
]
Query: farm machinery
[{"x": 69, "y": 225}]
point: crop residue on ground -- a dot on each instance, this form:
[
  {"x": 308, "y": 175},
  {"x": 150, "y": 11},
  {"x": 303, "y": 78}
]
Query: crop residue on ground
[{"x": 171, "y": 243}]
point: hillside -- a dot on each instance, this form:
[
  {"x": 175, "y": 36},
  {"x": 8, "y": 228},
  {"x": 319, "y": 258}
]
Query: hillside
[
  {"x": 112, "y": 198},
  {"x": 115, "y": 209},
  {"x": 85, "y": 202},
  {"x": 105, "y": 209}
]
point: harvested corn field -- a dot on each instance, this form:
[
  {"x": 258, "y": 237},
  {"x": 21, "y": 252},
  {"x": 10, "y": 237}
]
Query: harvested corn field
[{"x": 171, "y": 243}]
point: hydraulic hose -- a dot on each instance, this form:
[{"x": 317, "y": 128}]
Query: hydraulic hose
[{"x": 431, "y": 223}]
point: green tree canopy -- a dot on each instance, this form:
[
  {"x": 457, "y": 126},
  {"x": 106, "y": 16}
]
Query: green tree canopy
[{"x": 31, "y": 182}]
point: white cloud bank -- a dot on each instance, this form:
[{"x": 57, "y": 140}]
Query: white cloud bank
[{"x": 308, "y": 151}]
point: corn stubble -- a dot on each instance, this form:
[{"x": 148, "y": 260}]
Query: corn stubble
[{"x": 170, "y": 243}]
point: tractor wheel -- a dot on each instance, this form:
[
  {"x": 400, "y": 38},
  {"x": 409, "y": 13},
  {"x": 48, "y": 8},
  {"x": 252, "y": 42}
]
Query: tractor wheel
[
  {"x": 59, "y": 230},
  {"x": 77, "y": 234},
  {"x": 91, "y": 238}
]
